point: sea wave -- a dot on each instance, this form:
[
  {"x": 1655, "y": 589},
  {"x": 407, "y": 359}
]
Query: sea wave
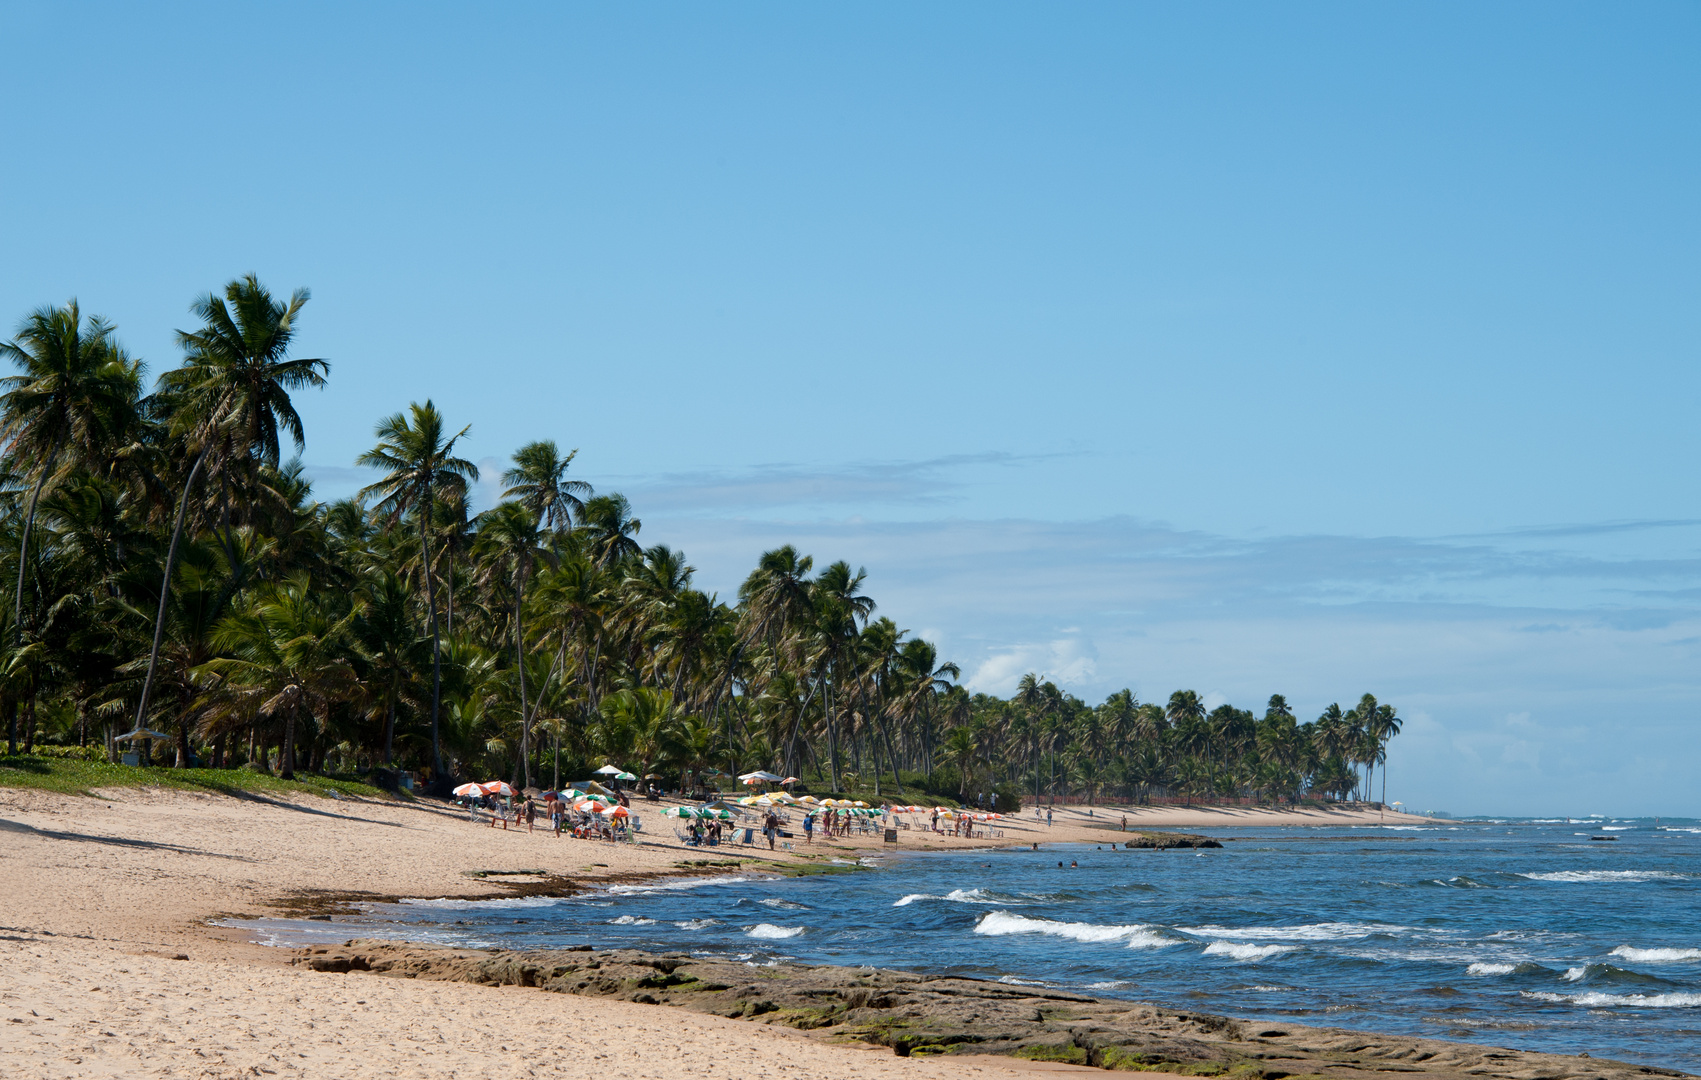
[
  {"x": 1634, "y": 1001},
  {"x": 1493, "y": 967},
  {"x": 776, "y": 902},
  {"x": 1137, "y": 935},
  {"x": 1656, "y": 956},
  {"x": 956, "y": 896},
  {"x": 485, "y": 905},
  {"x": 697, "y": 924},
  {"x": 1327, "y": 931},
  {"x": 677, "y": 884},
  {"x": 1245, "y": 952},
  {"x": 631, "y": 920},
  {"x": 1591, "y": 876},
  {"x": 770, "y": 932}
]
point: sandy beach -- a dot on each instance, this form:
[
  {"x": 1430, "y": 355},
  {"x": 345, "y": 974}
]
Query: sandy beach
[{"x": 113, "y": 967}]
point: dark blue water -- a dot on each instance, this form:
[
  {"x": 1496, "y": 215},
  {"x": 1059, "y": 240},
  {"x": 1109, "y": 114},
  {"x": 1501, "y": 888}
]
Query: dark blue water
[{"x": 1523, "y": 935}]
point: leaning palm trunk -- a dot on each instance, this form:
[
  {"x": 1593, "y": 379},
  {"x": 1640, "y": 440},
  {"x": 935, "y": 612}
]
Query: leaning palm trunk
[
  {"x": 24, "y": 544},
  {"x": 165, "y": 587},
  {"x": 436, "y": 640}
]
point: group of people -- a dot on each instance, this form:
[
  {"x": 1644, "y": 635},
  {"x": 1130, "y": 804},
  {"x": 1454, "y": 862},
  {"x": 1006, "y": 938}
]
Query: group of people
[{"x": 561, "y": 818}]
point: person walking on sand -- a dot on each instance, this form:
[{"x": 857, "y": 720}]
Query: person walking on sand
[
  {"x": 770, "y": 826},
  {"x": 1048, "y": 817},
  {"x": 531, "y": 814},
  {"x": 1124, "y": 822},
  {"x": 809, "y": 828}
]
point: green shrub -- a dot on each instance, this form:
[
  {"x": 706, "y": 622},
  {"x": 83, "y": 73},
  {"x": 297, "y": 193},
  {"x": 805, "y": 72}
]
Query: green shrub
[{"x": 71, "y": 753}]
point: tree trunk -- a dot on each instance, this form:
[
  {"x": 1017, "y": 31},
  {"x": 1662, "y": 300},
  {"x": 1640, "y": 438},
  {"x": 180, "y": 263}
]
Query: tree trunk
[
  {"x": 29, "y": 723},
  {"x": 24, "y": 543},
  {"x": 287, "y": 755},
  {"x": 520, "y": 667},
  {"x": 436, "y": 641},
  {"x": 389, "y": 726},
  {"x": 165, "y": 588}
]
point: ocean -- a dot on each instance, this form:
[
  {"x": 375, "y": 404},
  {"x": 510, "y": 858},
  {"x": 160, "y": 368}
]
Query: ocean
[{"x": 1527, "y": 934}]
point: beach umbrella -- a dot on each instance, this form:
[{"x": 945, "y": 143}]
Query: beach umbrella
[
  {"x": 469, "y": 789},
  {"x": 496, "y": 787},
  {"x": 789, "y": 780},
  {"x": 679, "y": 812},
  {"x": 859, "y": 804},
  {"x": 143, "y": 733},
  {"x": 619, "y": 812},
  {"x": 759, "y": 776},
  {"x": 610, "y": 770}
]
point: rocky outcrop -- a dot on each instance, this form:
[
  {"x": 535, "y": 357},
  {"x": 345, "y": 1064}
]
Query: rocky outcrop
[
  {"x": 1164, "y": 841},
  {"x": 923, "y": 1014}
]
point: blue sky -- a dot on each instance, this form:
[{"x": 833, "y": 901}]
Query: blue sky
[{"x": 1312, "y": 349}]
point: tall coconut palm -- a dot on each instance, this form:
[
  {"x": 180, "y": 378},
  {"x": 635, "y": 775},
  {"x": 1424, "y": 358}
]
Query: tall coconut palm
[
  {"x": 228, "y": 402},
  {"x": 609, "y": 522},
  {"x": 511, "y": 543},
  {"x": 539, "y": 480},
  {"x": 419, "y": 465},
  {"x": 76, "y": 388}
]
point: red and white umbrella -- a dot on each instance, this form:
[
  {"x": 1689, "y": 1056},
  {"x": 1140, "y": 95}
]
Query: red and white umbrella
[
  {"x": 496, "y": 787},
  {"x": 469, "y": 789}
]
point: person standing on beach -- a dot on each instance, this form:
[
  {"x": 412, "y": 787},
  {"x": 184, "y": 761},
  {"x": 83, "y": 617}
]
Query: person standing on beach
[
  {"x": 1048, "y": 817},
  {"x": 809, "y": 828},
  {"x": 531, "y": 814},
  {"x": 1124, "y": 822}
]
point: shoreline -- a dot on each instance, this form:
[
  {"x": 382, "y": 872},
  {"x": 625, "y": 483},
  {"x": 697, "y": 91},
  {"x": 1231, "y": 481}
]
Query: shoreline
[{"x": 109, "y": 902}]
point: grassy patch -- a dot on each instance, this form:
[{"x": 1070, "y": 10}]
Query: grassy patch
[
  {"x": 1069, "y": 1054},
  {"x": 82, "y": 777}
]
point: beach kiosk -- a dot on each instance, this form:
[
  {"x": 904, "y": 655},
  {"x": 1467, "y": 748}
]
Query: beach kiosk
[{"x": 133, "y": 756}]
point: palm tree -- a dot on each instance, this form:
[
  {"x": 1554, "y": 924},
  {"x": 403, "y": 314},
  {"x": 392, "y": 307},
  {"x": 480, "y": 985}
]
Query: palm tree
[
  {"x": 389, "y": 639},
  {"x": 611, "y": 526},
  {"x": 539, "y": 480},
  {"x": 285, "y": 657},
  {"x": 228, "y": 401},
  {"x": 1384, "y": 725},
  {"x": 419, "y": 465},
  {"x": 77, "y": 388},
  {"x": 512, "y": 542}
]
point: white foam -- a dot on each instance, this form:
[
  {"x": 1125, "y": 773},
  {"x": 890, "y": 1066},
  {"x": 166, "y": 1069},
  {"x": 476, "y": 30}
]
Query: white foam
[
  {"x": 631, "y": 920},
  {"x": 676, "y": 884},
  {"x": 1575, "y": 974},
  {"x": 1011, "y": 980},
  {"x": 1247, "y": 953},
  {"x": 1329, "y": 931},
  {"x": 1137, "y": 935},
  {"x": 1491, "y": 969},
  {"x": 776, "y": 902},
  {"x": 1657, "y": 956},
  {"x": 1634, "y": 1001},
  {"x": 1113, "y": 984},
  {"x": 1605, "y": 875},
  {"x": 485, "y": 905},
  {"x": 957, "y": 896},
  {"x": 697, "y": 924},
  {"x": 1617, "y": 828},
  {"x": 770, "y": 932}
]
